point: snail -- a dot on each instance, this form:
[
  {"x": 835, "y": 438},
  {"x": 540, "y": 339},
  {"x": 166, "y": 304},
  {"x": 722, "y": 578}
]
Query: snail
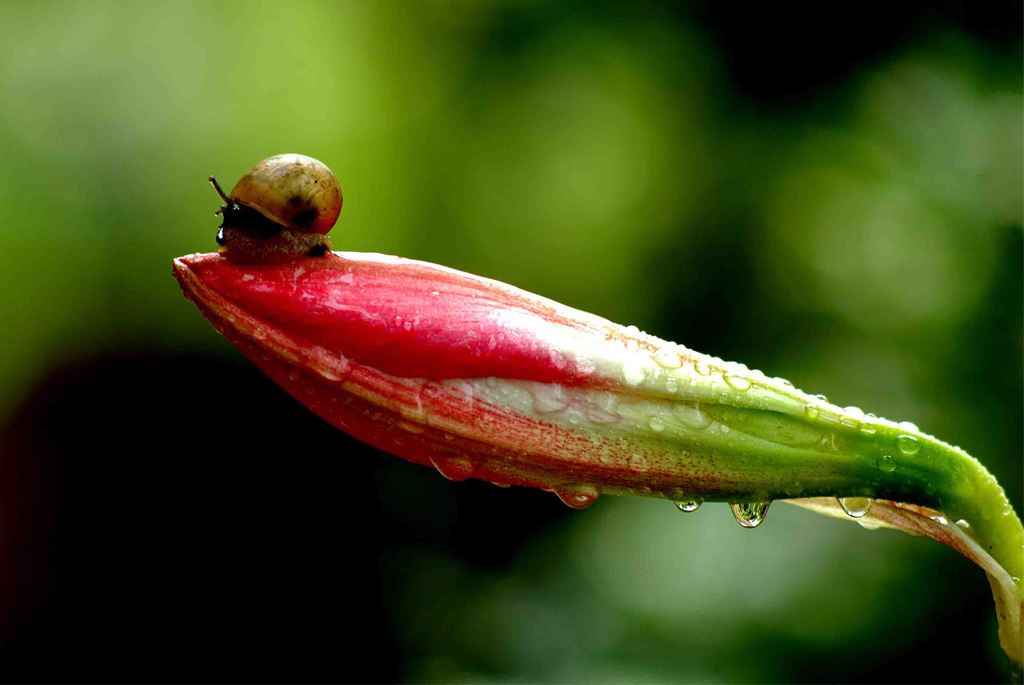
[{"x": 282, "y": 207}]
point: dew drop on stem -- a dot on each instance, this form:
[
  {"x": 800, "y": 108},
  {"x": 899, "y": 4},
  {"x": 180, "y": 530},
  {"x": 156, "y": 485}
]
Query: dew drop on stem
[{"x": 749, "y": 514}]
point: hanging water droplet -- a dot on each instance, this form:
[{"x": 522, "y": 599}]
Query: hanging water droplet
[
  {"x": 886, "y": 463},
  {"x": 656, "y": 424},
  {"x": 457, "y": 468},
  {"x": 811, "y": 411},
  {"x": 687, "y": 505},
  {"x": 692, "y": 416},
  {"x": 736, "y": 381},
  {"x": 908, "y": 444},
  {"x": 749, "y": 514},
  {"x": 855, "y": 506},
  {"x": 702, "y": 368},
  {"x": 578, "y": 498}
]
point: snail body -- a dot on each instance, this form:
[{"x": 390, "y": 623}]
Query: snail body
[{"x": 284, "y": 206}]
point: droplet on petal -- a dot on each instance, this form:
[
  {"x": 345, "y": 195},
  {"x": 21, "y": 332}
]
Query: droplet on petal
[
  {"x": 855, "y": 506},
  {"x": 578, "y": 498},
  {"x": 456, "y": 468}
]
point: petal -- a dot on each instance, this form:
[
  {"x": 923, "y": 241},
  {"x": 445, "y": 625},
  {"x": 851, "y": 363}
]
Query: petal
[{"x": 483, "y": 380}]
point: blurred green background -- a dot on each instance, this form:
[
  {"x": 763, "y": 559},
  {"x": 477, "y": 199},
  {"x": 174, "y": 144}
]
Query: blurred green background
[{"x": 836, "y": 199}]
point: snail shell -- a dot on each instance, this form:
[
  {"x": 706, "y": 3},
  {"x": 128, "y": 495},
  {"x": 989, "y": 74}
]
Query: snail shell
[{"x": 291, "y": 201}]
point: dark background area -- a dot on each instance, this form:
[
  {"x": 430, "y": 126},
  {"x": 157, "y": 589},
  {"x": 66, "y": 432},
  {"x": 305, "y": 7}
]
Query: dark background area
[{"x": 834, "y": 197}]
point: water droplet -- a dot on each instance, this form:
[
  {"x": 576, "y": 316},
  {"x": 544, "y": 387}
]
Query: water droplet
[
  {"x": 638, "y": 463},
  {"x": 886, "y": 463},
  {"x": 549, "y": 398},
  {"x": 851, "y": 417},
  {"x": 578, "y": 498},
  {"x": 787, "y": 383},
  {"x": 557, "y": 358},
  {"x": 749, "y": 514},
  {"x": 602, "y": 409},
  {"x": 737, "y": 382},
  {"x": 633, "y": 373},
  {"x": 687, "y": 505},
  {"x": 794, "y": 489},
  {"x": 293, "y": 376},
  {"x": 632, "y": 345},
  {"x": 908, "y": 444},
  {"x": 585, "y": 363},
  {"x": 702, "y": 368},
  {"x": 259, "y": 334},
  {"x": 962, "y": 524},
  {"x": 668, "y": 358},
  {"x": 811, "y": 411},
  {"x": 455, "y": 468},
  {"x": 867, "y": 428},
  {"x": 656, "y": 424},
  {"x": 908, "y": 427},
  {"x": 855, "y": 506},
  {"x": 671, "y": 384},
  {"x": 822, "y": 398},
  {"x": 500, "y": 485},
  {"x": 692, "y": 416}
]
